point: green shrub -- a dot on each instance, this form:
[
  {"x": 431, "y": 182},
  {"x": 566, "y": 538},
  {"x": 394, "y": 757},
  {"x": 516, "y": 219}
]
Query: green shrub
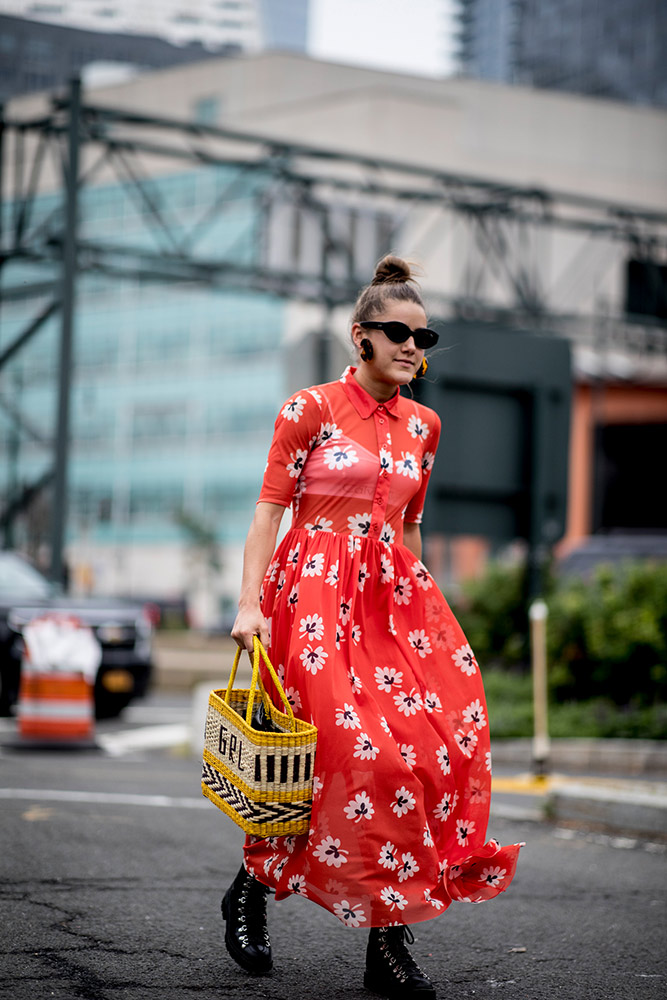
[{"x": 607, "y": 636}]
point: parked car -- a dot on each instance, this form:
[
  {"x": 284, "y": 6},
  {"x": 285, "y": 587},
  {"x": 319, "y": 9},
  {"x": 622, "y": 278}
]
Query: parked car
[{"x": 122, "y": 627}]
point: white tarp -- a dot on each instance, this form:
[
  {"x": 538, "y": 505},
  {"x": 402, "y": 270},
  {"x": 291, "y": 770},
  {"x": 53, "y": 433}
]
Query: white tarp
[{"x": 61, "y": 644}]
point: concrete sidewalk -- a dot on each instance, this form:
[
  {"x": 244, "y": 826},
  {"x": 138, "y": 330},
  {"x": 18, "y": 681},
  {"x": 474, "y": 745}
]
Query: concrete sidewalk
[{"x": 612, "y": 786}]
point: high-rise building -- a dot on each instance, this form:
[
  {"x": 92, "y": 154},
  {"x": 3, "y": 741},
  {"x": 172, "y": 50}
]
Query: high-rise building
[
  {"x": 613, "y": 50},
  {"x": 44, "y": 44}
]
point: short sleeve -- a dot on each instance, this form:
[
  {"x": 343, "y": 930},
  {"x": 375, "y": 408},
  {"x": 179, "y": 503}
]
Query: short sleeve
[
  {"x": 295, "y": 432},
  {"x": 415, "y": 508}
]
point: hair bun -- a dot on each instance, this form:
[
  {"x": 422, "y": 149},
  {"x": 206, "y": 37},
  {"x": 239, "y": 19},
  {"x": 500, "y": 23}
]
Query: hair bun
[{"x": 391, "y": 270}]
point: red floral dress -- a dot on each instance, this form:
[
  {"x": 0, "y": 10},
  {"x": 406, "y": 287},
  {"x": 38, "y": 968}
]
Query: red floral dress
[{"x": 369, "y": 651}]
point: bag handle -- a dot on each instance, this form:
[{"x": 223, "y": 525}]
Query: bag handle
[{"x": 256, "y": 682}]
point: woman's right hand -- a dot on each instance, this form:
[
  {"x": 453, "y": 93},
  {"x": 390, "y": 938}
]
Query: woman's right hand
[{"x": 248, "y": 624}]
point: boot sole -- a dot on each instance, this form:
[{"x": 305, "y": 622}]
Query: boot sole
[
  {"x": 397, "y": 992},
  {"x": 235, "y": 953}
]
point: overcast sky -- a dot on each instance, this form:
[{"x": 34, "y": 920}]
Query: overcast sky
[{"x": 407, "y": 36}]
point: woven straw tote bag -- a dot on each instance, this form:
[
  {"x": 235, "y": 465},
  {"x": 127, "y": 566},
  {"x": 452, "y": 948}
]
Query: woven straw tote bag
[{"x": 262, "y": 780}]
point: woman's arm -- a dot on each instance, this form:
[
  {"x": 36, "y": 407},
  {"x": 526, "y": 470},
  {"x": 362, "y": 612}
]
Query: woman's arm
[
  {"x": 412, "y": 539},
  {"x": 259, "y": 547}
]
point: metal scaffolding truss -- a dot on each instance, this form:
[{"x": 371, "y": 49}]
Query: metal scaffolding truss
[{"x": 307, "y": 238}]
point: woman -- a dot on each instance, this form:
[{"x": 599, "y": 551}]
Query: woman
[{"x": 369, "y": 651}]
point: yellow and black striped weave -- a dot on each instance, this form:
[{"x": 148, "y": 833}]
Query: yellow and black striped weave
[{"x": 262, "y": 780}]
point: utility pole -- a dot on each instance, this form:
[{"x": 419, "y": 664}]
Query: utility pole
[{"x": 70, "y": 263}]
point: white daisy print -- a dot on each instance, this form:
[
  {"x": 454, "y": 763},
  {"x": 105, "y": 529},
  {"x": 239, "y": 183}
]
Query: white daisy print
[
  {"x": 393, "y": 898},
  {"x": 344, "y": 612},
  {"x": 278, "y": 870},
  {"x": 408, "y": 703},
  {"x": 438, "y": 904},
  {"x": 293, "y": 409},
  {"x": 272, "y": 571},
  {"x": 328, "y": 432},
  {"x": 293, "y": 697},
  {"x": 417, "y": 428},
  {"x": 422, "y": 575},
  {"x": 360, "y": 807},
  {"x": 391, "y": 627},
  {"x": 385, "y": 726},
  {"x": 428, "y": 458},
  {"x": 446, "y": 806},
  {"x": 408, "y": 754},
  {"x": 388, "y": 857},
  {"x": 493, "y": 876},
  {"x": 403, "y": 590},
  {"x": 364, "y": 748},
  {"x": 464, "y": 658},
  {"x": 404, "y": 801},
  {"x": 386, "y": 569},
  {"x": 356, "y": 634},
  {"x": 330, "y": 852},
  {"x": 420, "y": 642},
  {"x": 320, "y": 524},
  {"x": 386, "y": 461},
  {"x": 281, "y": 581},
  {"x": 408, "y": 867},
  {"x": 442, "y": 755},
  {"x": 350, "y": 915},
  {"x": 267, "y": 864},
  {"x": 347, "y": 717},
  {"x": 297, "y": 885},
  {"x": 332, "y": 575},
  {"x": 293, "y": 556},
  {"x": 313, "y": 565},
  {"x": 359, "y": 524},
  {"x": 355, "y": 682},
  {"x": 293, "y": 598},
  {"x": 289, "y": 843},
  {"x": 464, "y": 828},
  {"x": 318, "y": 785},
  {"x": 353, "y": 544},
  {"x": 311, "y": 627},
  {"x": 474, "y": 715},
  {"x": 313, "y": 659},
  {"x": 467, "y": 741},
  {"x": 340, "y": 457},
  {"x": 340, "y": 635},
  {"x": 487, "y": 761},
  {"x": 408, "y": 465},
  {"x": 428, "y": 837},
  {"x": 363, "y": 575},
  {"x": 316, "y": 396},
  {"x": 432, "y": 702},
  {"x": 387, "y": 535},
  {"x": 296, "y": 463}
]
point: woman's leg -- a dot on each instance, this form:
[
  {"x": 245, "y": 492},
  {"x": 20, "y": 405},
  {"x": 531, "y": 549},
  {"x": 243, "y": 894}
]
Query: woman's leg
[
  {"x": 246, "y": 934},
  {"x": 391, "y": 970}
]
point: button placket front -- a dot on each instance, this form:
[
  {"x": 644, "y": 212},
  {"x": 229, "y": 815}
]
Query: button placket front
[{"x": 383, "y": 437}]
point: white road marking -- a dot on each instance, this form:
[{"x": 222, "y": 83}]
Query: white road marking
[
  {"x": 144, "y": 738},
  {"x": 102, "y": 798}
]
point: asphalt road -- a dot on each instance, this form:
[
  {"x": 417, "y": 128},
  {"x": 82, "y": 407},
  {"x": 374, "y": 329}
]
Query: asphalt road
[{"x": 113, "y": 867}]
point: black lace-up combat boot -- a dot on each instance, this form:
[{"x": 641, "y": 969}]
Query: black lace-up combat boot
[
  {"x": 391, "y": 971},
  {"x": 246, "y": 934}
]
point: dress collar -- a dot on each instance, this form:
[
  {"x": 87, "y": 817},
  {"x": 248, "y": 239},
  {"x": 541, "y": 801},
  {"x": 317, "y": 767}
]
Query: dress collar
[{"x": 362, "y": 401}]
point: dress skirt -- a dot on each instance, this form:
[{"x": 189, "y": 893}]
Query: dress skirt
[{"x": 369, "y": 651}]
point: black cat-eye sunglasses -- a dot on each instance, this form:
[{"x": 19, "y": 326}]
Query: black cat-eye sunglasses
[{"x": 398, "y": 333}]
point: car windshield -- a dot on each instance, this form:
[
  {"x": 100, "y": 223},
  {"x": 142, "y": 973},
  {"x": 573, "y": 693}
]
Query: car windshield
[{"x": 19, "y": 580}]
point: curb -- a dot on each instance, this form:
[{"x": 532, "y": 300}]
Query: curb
[{"x": 626, "y": 811}]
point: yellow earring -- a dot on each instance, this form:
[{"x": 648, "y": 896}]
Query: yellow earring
[{"x": 421, "y": 371}]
